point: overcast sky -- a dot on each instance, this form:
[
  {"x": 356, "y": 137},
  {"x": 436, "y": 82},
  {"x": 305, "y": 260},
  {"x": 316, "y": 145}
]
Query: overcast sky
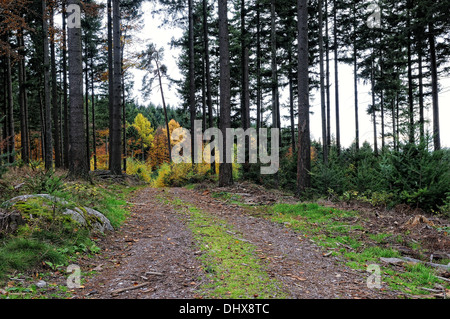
[{"x": 162, "y": 36}]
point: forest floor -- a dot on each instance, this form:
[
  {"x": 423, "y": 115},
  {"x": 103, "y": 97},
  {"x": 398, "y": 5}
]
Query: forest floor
[{"x": 206, "y": 242}]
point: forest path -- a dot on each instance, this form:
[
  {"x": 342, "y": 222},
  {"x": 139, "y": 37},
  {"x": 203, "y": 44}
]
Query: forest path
[{"x": 155, "y": 253}]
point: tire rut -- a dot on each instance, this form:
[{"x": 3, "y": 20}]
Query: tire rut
[
  {"x": 156, "y": 238},
  {"x": 297, "y": 262}
]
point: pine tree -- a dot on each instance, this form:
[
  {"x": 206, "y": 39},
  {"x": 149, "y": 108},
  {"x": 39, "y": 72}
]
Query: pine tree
[
  {"x": 304, "y": 146},
  {"x": 78, "y": 165},
  {"x": 225, "y": 168}
]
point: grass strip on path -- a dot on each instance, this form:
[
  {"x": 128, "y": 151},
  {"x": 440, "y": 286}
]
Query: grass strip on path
[{"x": 234, "y": 271}]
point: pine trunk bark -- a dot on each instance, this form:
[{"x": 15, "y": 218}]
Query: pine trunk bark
[
  {"x": 434, "y": 88},
  {"x": 336, "y": 80},
  {"x": 86, "y": 106},
  {"x": 225, "y": 168},
  {"x": 192, "y": 108},
  {"x": 304, "y": 142},
  {"x": 115, "y": 129},
  {"x": 78, "y": 166},
  {"x": 208, "y": 77},
  {"x": 47, "y": 92},
  {"x": 55, "y": 104},
  {"x": 322, "y": 85},
  {"x": 327, "y": 77},
  {"x": 25, "y": 140},
  {"x": 10, "y": 111},
  {"x": 258, "y": 75},
  {"x": 65, "y": 89},
  {"x": 94, "y": 133}
]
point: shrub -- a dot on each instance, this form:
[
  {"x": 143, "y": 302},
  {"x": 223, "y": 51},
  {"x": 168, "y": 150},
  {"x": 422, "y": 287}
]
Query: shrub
[
  {"x": 141, "y": 169},
  {"x": 412, "y": 175},
  {"x": 177, "y": 175},
  {"x": 4, "y": 163},
  {"x": 419, "y": 177},
  {"x": 43, "y": 182}
]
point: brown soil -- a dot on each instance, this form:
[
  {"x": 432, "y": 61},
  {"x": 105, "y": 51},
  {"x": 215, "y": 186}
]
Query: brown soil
[
  {"x": 430, "y": 231},
  {"x": 156, "y": 240}
]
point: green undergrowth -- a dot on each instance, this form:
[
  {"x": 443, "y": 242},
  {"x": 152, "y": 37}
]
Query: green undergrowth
[
  {"x": 49, "y": 241},
  {"x": 340, "y": 233},
  {"x": 336, "y": 231},
  {"x": 233, "y": 268}
]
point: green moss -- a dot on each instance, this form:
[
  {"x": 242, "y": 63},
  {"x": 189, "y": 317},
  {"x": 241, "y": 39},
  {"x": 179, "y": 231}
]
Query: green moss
[
  {"x": 40, "y": 213},
  {"x": 233, "y": 268}
]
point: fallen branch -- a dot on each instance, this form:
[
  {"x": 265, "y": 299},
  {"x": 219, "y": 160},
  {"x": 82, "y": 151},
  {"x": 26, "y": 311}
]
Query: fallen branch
[
  {"x": 446, "y": 267},
  {"x": 118, "y": 291},
  {"x": 346, "y": 246},
  {"x": 431, "y": 290},
  {"x": 442, "y": 278},
  {"x": 154, "y": 273}
]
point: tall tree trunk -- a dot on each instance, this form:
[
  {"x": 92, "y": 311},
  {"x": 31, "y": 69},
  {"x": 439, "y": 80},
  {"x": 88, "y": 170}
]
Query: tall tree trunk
[
  {"x": 336, "y": 80},
  {"x": 274, "y": 85},
  {"x": 164, "y": 106},
  {"x": 203, "y": 92},
  {"x": 394, "y": 139},
  {"x": 55, "y": 105},
  {"x": 86, "y": 104},
  {"x": 246, "y": 108},
  {"x": 78, "y": 166},
  {"x": 94, "y": 133},
  {"x": 192, "y": 79},
  {"x": 47, "y": 97},
  {"x": 434, "y": 88},
  {"x": 258, "y": 74},
  {"x": 124, "y": 121},
  {"x": 322, "y": 85},
  {"x": 397, "y": 121},
  {"x": 42, "y": 121},
  {"x": 110, "y": 73},
  {"x": 115, "y": 129},
  {"x": 421, "y": 98},
  {"x": 327, "y": 77},
  {"x": 355, "y": 74},
  {"x": 4, "y": 109},
  {"x": 275, "y": 100},
  {"x": 3, "y": 117},
  {"x": 304, "y": 142},
  {"x": 65, "y": 89},
  {"x": 208, "y": 76},
  {"x": 383, "y": 143},
  {"x": 124, "y": 107},
  {"x": 226, "y": 169},
  {"x": 374, "y": 109},
  {"x": 291, "y": 100},
  {"x": 245, "y": 72},
  {"x": 410, "y": 76},
  {"x": 10, "y": 111},
  {"x": 25, "y": 139}
]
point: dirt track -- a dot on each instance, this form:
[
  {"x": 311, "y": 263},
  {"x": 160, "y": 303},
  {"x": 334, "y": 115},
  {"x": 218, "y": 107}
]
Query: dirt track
[{"x": 153, "y": 255}]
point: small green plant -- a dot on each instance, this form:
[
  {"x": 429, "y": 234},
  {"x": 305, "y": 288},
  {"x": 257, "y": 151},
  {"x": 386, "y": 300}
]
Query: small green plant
[
  {"x": 53, "y": 266},
  {"x": 44, "y": 182}
]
